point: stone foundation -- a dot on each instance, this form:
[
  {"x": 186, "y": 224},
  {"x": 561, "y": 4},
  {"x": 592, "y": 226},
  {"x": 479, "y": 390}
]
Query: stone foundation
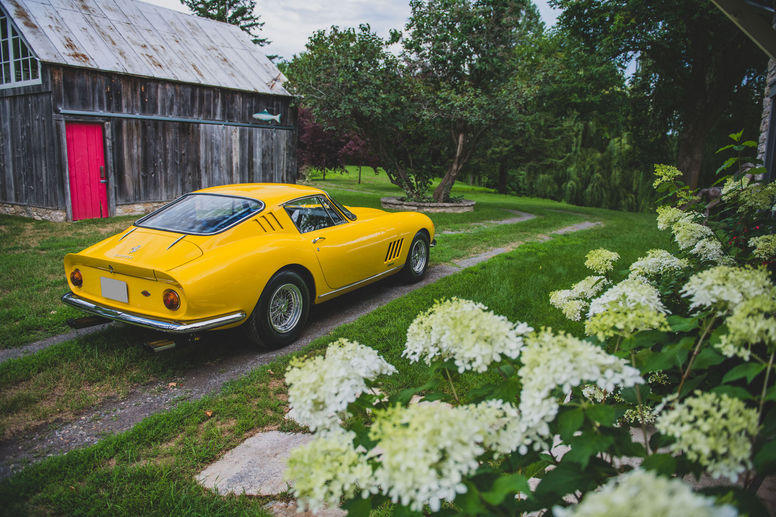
[
  {"x": 34, "y": 212},
  {"x": 139, "y": 208},
  {"x": 394, "y": 203}
]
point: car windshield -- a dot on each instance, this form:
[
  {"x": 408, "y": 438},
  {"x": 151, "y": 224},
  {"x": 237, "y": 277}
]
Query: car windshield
[{"x": 201, "y": 214}]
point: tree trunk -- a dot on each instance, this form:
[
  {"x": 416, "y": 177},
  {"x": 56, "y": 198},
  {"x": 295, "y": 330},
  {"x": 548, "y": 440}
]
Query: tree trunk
[
  {"x": 359, "y": 175},
  {"x": 690, "y": 159},
  {"x": 442, "y": 192},
  {"x": 503, "y": 175}
]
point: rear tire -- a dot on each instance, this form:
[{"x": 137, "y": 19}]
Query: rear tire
[
  {"x": 281, "y": 312},
  {"x": 417, "y": 259}
]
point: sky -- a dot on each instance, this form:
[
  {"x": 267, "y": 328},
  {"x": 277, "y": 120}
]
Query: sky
[{"x": 288, "y": 23}]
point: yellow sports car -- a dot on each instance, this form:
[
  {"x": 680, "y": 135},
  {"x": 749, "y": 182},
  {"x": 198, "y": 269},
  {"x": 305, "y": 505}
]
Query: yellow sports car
[{"x": 256, "y": 255}]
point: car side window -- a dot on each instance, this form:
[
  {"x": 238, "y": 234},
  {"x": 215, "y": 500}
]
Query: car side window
[{"x": 312, "y": 213}]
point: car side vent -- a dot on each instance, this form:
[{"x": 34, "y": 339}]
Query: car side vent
[
  {"x": 394, "y": 250},
  {"x": 269, "y": 223}
]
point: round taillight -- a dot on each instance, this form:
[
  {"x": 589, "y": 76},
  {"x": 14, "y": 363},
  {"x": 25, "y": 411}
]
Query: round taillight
[
  {"x": 76, "y": 279},
  {"x": 171, "y": 300}
]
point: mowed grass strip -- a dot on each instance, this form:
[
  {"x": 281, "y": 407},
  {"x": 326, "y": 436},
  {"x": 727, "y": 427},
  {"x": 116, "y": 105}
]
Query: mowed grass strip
[{"x": 150, "y": 469}]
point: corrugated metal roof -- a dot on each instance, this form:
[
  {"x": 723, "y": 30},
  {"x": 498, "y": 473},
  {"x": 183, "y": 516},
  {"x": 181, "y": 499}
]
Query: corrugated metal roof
[{"x": 136, "y": 38}]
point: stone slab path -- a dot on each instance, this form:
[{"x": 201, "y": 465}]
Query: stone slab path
[
  {"x": 521, "y": 216},
  {"x": 115, "y": 416},
  {"x": 255, "y": 467}
]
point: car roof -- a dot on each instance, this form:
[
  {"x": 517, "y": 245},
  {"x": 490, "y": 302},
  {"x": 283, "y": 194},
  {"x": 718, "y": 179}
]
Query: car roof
[{"x": 269, "y": 193}]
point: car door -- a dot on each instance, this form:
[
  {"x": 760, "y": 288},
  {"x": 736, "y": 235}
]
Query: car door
[{"x": 347, "y": 251}]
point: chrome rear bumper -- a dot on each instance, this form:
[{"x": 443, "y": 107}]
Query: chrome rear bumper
[{"x": 144, "y": 321}]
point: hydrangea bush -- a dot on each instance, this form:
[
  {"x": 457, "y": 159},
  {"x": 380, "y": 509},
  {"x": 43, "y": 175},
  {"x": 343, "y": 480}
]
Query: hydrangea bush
[{"x": 675, "y": 374}]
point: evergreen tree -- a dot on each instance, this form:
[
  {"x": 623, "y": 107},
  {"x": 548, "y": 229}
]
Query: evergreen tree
[{"x": 236, "y": 12}]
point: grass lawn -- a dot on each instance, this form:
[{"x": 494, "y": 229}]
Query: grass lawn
[
  {"x": 57, "y": 383},
  {"x": 150, "y": 469}
]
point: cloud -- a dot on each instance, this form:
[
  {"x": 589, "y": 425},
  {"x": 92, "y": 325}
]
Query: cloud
[{"x": 289, "y": 23}]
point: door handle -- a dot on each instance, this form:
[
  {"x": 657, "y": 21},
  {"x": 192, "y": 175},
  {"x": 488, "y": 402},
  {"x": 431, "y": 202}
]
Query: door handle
[
  {"x": 102, "y": 172},
  {"x": 103, "y": 181},
  {"x": 318, "y": 239}
]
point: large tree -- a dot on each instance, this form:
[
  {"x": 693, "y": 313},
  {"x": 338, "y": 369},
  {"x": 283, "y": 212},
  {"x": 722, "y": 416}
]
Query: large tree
[
  {"x": 692, "y": 63},
  {"x": 460, "y": 54},
  {"x": 350, "y": 81},
  {"x": 236, "y": 12}
]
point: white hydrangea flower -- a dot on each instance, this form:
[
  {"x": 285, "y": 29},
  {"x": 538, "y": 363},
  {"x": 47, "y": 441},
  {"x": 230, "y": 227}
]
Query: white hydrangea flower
[
  {"x": 642, "y": 493},
  {"x": 425, "y": 451},
  {"x": 665, "y": 174},
  {"x": 503, "y": 430},
  {"x": 601, "y": 260},
  {"x": 687, "y": 234},
  {"x": 328, "y": 469},
  {"x": 631, "y": 293},
  {"x": 466, "y": 332},
  {"x": 764, "y": 246},
  {"x": 593, "y": 393},
  {"x": 732, "y": 185},
  {"x": 725, "y": 287},
  {"x": 573, "y": 302},
  {"x": 752, "y": 321},
  {"x": 714, "y": 430},
  {"x": 657, "y": 263},
  {"x": 667, "y": 216},
  {"x": 710, "y": 250},
  {"x": 321, "y": 388},
  {"x": 551, "y": 361}
]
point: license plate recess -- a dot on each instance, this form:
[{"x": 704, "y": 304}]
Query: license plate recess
[{"x": 114, "y": 289}]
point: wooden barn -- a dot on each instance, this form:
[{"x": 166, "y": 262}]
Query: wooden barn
[{"x": 111, "y": 107}]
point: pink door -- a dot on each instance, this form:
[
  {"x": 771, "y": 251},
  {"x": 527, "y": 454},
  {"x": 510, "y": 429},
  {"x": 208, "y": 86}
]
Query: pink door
[{"x": 86, "y": 167}]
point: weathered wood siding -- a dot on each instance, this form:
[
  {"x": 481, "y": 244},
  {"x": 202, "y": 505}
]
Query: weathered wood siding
[
  {"x": 158, "y": 160},
  {"x": 30, "y": 166},
  {"x": 147, "y": 159}
]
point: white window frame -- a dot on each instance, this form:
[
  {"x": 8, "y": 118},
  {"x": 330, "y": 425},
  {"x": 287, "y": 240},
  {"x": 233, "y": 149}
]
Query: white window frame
[{"x": 14, "y": 58}]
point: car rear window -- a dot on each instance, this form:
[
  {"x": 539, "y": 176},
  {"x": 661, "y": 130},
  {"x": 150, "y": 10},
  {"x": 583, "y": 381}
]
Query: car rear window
[{"x": 201, "y": 214}]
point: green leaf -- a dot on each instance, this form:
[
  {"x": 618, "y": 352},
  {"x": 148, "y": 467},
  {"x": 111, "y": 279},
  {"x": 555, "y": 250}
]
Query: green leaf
[
  {"x": 771, "y": 393},
  {"x": 733, "y": 391},
  {"x": 561, "y": 481},
  {"x": 691, "y": 384},
  {"x": 682, "y": 324},
  {"x": 403, "y": 511},
  {"x": 358, "y": 507},
  {"x": 749, "y": 143},
  {"x": 601, "y": 414},
  {"x": 671, "y": 356},
  {"x": 724, "y": 148},
  {"x": 506, "y": 485},
  {"x": 661, "y": 463},
  {"x": 726, "y": 165},
  {"x": 508, "y": 389},
  {"x": 766, "y": 456},
  {"x": 736, "y": 137},
  {"x": 469, "y": 501},
  {"x": 568, "y": 422},
  {"x": 706, "y": 358},
  {"x": 748, "y": 370},
  {"x": 586, "y": 445}
]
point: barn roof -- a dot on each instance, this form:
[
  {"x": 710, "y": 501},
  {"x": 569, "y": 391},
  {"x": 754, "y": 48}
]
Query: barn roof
[{"x": 136, "y": 38}]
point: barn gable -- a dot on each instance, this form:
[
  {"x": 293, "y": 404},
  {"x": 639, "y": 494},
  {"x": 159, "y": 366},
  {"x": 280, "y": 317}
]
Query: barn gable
[{"x": 135, "y": 38}]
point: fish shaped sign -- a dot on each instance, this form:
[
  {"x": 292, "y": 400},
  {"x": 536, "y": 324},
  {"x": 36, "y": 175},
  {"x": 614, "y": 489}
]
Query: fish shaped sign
[{"x": 266, "y": 116}]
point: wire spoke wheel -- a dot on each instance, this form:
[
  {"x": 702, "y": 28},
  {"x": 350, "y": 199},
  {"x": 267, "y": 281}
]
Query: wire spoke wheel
[
  {"x": 285, "y": 308},
  {"x": 418, "y": 257}
]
